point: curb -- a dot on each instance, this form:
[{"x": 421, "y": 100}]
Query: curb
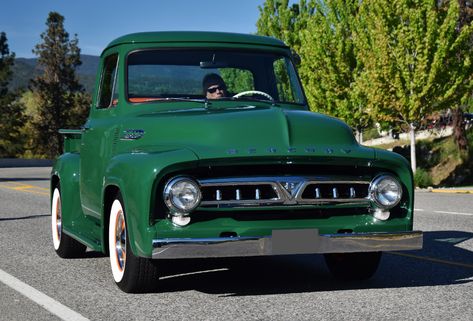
[{"x": 452, "y": 191}]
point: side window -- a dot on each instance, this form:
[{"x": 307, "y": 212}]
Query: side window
[
  {"x": 287, "y": 82},
  {"x": 283, "y": 80},
  {"x": 108, "y": 84}
]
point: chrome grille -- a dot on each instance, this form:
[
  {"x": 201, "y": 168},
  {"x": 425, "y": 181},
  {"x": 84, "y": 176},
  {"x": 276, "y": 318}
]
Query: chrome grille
[
  {"x": 335, "y": 191},
  {"x": 238, "y": 192},
  {"x": 285, "y": 190}
]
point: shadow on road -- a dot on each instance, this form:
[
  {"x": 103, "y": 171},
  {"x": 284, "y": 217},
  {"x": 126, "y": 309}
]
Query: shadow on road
[
  {"x": 23, "y": 179},
  {"x": 307, "y": 273},
  {"x": 22, "y": 217}
]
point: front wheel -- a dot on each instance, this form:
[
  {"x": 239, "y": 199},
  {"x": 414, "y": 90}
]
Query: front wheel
[
  {"x": 353, "y": 266},
  {"x": 64, "y": 245},
  {"x": 131, "y": 273}
]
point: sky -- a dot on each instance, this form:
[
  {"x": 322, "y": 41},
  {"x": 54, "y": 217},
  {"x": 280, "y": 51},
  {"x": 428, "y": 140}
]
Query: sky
[{"x": 98, "y": 22}]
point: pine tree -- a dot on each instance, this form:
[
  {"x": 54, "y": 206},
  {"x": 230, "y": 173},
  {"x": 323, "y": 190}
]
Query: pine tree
[
  {"x": 57, "y": 87},
  {"x": 11, "y": 110}
]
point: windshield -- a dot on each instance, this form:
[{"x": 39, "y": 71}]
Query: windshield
[{"x": 160, "y": 75}]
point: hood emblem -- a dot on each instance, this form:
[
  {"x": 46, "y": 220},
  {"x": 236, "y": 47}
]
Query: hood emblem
[
  {"x": 292, "y": 187},
  {"x": 132, "y": 134}
]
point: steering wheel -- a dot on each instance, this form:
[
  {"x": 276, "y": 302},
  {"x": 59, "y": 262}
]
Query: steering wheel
[{"x": 253, "y": 92}]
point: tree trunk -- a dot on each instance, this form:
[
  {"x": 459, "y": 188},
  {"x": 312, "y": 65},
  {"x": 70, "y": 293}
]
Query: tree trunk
[
  {"x": 459, "y": 132},
  {"x": 412, "y": 133},
  {"x": 359, "y": 136}
]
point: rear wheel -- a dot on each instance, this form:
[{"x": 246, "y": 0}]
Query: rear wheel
[
  {"x": 353, "y": 266},
  {"x": 131, "y": 273},
  {"x": 64, "y": 245}
]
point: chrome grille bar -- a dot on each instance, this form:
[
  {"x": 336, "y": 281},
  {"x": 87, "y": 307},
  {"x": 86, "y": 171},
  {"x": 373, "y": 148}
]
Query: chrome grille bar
[{"x": 335, "y": 192}]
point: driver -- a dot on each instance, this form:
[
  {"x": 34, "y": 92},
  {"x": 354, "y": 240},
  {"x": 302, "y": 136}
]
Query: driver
[{"x": 214, "y": 87}]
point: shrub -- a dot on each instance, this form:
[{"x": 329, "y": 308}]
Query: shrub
[
  {"x": 371, "y": 133},
  {"x": 422, "y": 178}
]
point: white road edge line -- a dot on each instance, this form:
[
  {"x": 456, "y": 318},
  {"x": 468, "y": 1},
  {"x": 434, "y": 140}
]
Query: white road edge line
[
  {"x": 40, "y": 298},
  {"x": 454, "y": 213},
  {"x": 444, "y": 212}
]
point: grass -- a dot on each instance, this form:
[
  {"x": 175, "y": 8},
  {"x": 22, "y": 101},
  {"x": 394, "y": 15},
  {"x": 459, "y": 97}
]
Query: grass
[{"x": 390, "y": 146}]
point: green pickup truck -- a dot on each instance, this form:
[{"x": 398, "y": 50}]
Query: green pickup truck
[{"x": 201, "y": 144}]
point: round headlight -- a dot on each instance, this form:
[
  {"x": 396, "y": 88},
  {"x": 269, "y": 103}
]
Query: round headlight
[
  {"x": 182, "y": 195},
  {"x": 385, "y": 191}
]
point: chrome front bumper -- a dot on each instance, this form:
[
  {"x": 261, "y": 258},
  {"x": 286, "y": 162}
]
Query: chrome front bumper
[{"x": 284, "y": 242}]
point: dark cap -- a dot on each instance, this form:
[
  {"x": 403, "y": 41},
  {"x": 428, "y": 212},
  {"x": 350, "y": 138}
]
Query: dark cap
[{"x": 211, "y": 80}]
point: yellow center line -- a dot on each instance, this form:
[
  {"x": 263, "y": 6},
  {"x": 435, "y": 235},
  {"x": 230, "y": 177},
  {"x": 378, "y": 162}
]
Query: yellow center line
[
  {"x": 25, "y": 185},
  {"x": 15, "y": 186},
  {"x": 19, "y": 188},
  {"x": 432, "y": 259}
]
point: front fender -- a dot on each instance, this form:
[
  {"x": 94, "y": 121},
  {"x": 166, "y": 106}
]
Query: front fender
[
  {"x": 134, "y": 174},
  {"x": 400, "y": 166},
  {"x": 66, "y": 170}
]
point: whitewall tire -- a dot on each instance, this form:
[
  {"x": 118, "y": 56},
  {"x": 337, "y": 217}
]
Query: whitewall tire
[
  {"x": 132, "y": 274},
  {"x": 56, "y": 218},
  {"x": 117, "y": 241}
]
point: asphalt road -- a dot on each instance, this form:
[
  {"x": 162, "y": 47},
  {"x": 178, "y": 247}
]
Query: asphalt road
[{"x": 432, "y": 284}]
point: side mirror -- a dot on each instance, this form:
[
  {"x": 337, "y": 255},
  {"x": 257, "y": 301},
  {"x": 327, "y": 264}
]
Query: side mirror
[{"x": 296, "y": 58}]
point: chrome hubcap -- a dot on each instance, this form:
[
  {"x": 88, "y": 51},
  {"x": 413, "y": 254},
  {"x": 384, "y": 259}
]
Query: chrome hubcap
[{"x": 120, "y": 240}]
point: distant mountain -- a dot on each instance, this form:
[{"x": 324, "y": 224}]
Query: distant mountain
[{"x": 26, "y": 69}]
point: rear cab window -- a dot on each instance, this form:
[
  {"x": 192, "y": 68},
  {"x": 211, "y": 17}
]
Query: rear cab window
[{"x": 108, "y": 90}]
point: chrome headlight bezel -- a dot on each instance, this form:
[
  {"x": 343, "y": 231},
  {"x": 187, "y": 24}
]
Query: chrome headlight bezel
[
  {"x": 171, "y": 199},
  {"x": 380, "y": 182}
]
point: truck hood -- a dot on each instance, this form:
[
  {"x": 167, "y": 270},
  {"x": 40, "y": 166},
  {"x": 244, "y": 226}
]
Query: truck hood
[{"x": 244, "y": 132}]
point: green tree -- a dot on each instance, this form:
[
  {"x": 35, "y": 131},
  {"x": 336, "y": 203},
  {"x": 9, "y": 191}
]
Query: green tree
[
  {"x": 278, "y": 19},
  {"x": 11, "y": 110},
  {"x": 287, "y": 23},
  {"x": 459, "y": 131},
  {"x": 415, "y": 61},
  {"x": 57, "y": 87},
  {"x": 79, "y": 111},
  {"x": 330, "y": 68},
  {"x": 237, "y": 80},
  {"x": 322, "y": 32}
]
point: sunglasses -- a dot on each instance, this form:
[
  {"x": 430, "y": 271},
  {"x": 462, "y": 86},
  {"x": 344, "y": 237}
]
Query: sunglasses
[{"x": 214, "y": 89}]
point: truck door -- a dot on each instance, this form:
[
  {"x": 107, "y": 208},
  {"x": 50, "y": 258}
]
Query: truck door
[{"x": 97, "y": 141}]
